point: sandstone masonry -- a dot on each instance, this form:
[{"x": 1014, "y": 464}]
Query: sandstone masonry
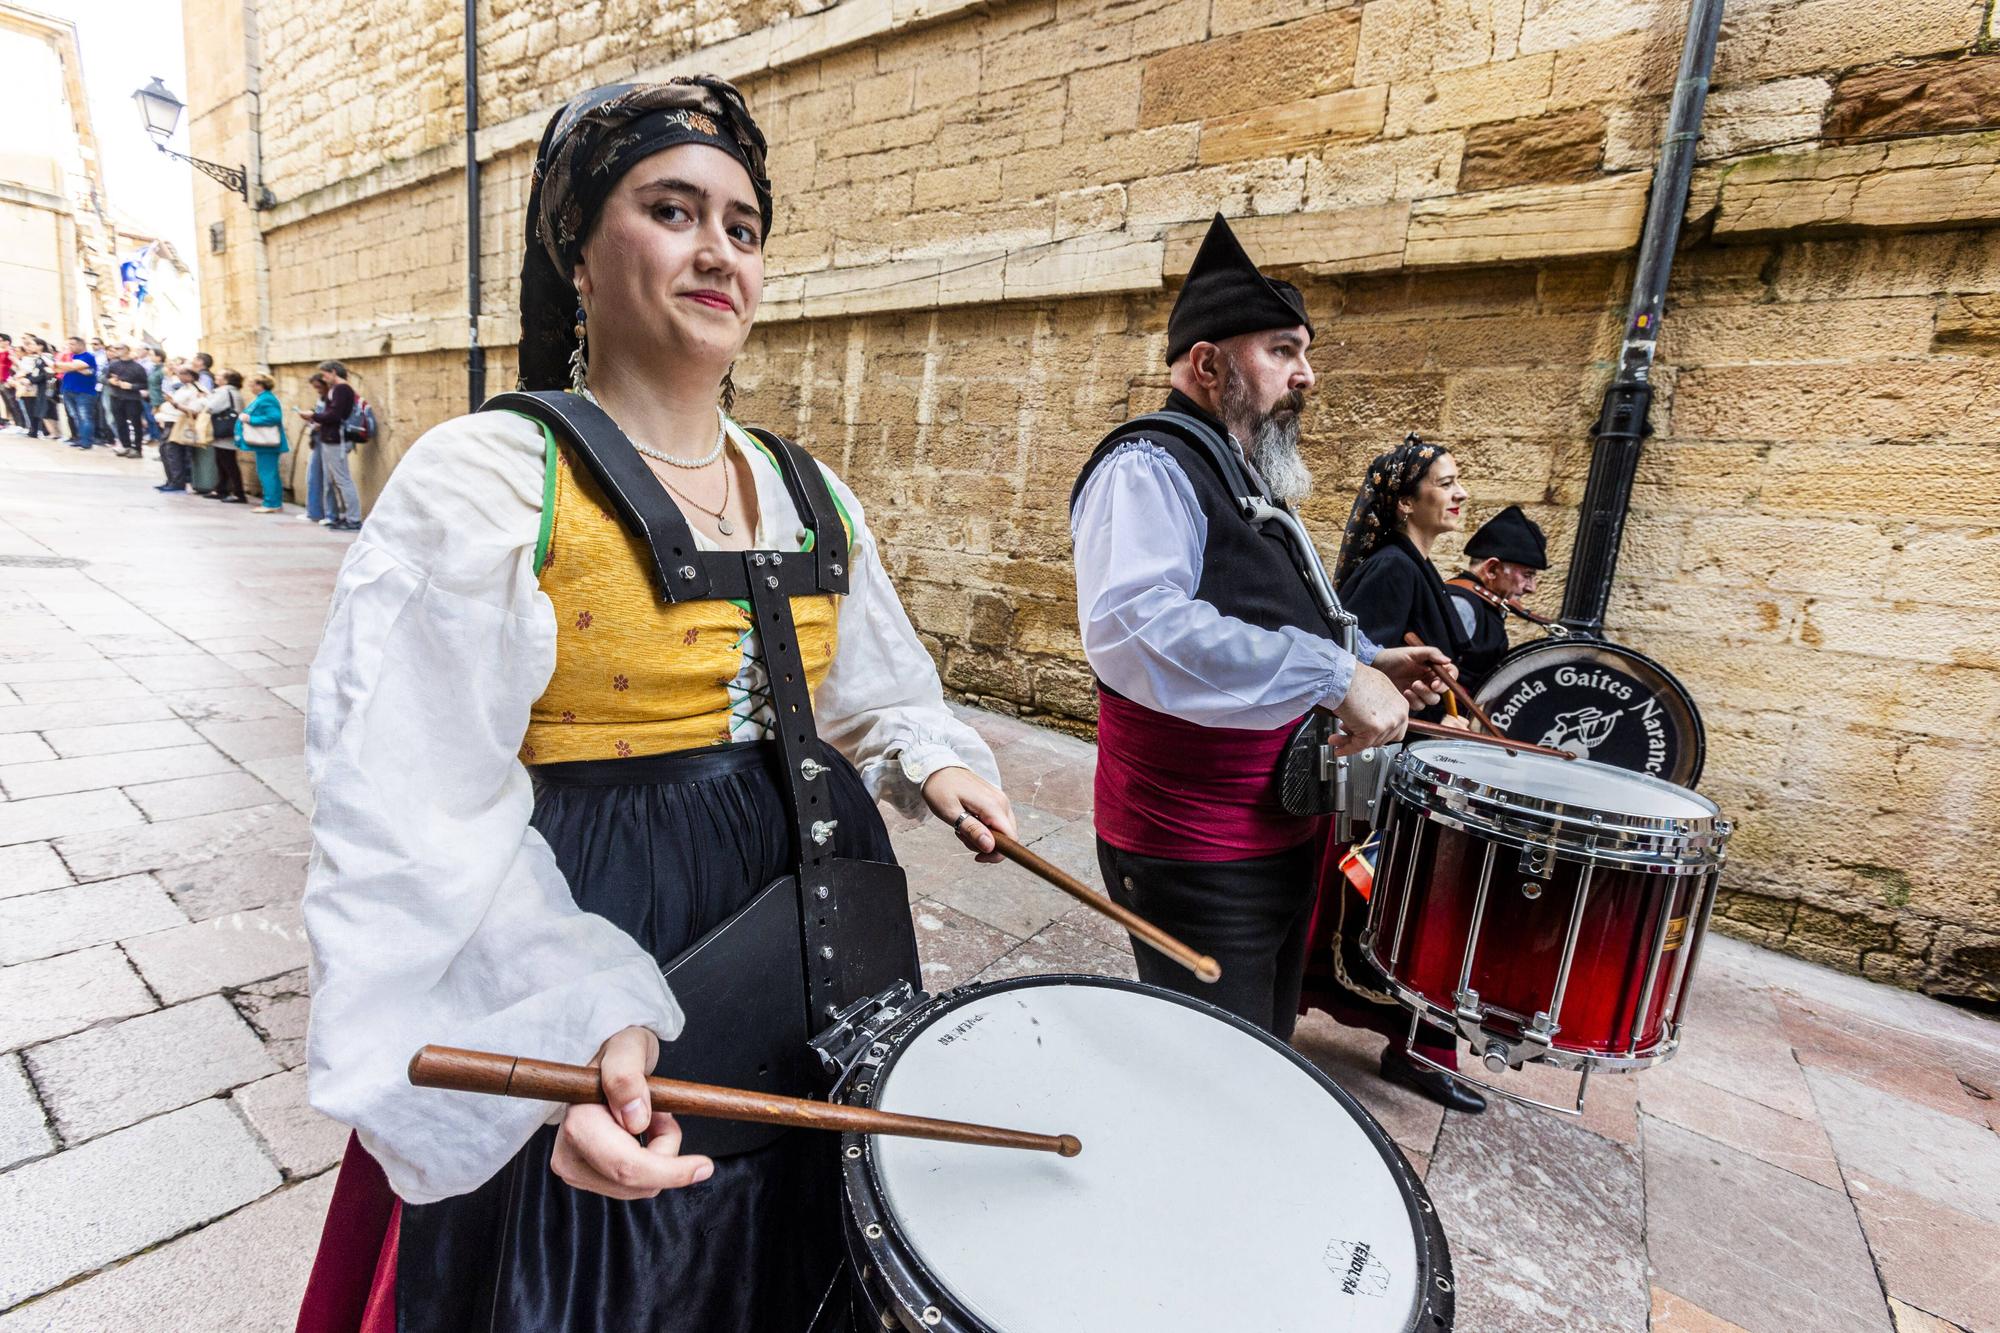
[{"x": 983, "y": 211}]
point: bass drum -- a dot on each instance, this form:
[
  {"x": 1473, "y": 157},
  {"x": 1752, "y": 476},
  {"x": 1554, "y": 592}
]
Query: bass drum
[{"x": 1599, "y": 701}]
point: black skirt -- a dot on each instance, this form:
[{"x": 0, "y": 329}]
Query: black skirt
[{"x": 667, "y": 848}]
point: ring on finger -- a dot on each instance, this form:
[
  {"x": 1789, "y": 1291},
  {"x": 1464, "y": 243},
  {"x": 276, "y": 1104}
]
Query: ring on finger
[{"x": 963, "y": 815}]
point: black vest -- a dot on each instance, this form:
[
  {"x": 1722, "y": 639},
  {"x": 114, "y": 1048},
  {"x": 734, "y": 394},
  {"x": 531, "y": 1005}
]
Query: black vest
[{"x": 1247, "y": 570}]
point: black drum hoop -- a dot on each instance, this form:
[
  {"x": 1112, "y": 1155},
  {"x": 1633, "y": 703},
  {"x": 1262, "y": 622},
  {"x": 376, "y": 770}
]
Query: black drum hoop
[
  {"x": 886, "y": 1258},
  {"x": 1650, "y": 670}
]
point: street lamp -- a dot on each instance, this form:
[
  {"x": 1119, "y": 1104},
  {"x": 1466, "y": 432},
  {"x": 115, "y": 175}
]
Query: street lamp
[{"x": 160, "y": 111}]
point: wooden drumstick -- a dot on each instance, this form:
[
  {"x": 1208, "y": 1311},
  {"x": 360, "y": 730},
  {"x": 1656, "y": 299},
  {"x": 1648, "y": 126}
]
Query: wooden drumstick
[
  {"x": 1499, "y": 738},
  {"x": 1458, "y": 691},
  {"x": 545, "y": 1080},
  {"x": 1198, "y": 963}
]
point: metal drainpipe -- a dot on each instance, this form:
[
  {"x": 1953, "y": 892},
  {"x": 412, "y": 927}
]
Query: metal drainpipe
[
  {"x": 1622, "y": 423},
  {"x": 475, "y": 354}
]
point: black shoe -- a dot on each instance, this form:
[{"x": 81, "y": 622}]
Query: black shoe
[{"x": 1449, "y": 1093}]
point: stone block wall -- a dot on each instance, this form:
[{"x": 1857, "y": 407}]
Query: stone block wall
[{"x": 984, "y": 208}]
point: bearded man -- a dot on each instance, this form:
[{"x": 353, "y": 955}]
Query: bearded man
[
  {"x": 1209, "y": 648},
  {"x": 1504, "y": 563}
]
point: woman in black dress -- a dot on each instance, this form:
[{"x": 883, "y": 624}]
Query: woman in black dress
[{"x": 1410, "y": 497}]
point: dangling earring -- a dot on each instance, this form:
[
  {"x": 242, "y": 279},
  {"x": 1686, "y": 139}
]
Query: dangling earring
[
  {"x": 579, "y": 364},
  {"x": 729, "y": 389}
]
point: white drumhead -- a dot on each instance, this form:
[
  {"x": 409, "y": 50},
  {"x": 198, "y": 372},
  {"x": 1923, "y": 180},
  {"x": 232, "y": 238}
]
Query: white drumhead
[
  {"x": 1579, "y": 783},
  {"x": 1219, "y": 1187}
]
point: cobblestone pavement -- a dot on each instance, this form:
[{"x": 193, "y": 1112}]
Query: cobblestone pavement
[{"x": 1822, "y": 1156}]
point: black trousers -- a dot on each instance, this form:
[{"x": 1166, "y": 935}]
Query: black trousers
[
  {"x": 228, "y": 476},
  {"x": 1250, "y": 916},
  {"x": 128, "y": 422},
  {"x": 178, "y": 460}
]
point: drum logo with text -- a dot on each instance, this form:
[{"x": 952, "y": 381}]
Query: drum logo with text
[
  {"x": 1592, "y": 712},
  {"x": 1355, "y": 1264}
]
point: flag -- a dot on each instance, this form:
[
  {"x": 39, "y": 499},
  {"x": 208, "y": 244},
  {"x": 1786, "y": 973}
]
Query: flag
[{"x": 1359, "y": 864}]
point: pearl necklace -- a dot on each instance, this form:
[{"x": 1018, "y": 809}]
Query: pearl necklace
[
  {"x": 722, "y": 524},
  {"x": 721, "y": 434}
]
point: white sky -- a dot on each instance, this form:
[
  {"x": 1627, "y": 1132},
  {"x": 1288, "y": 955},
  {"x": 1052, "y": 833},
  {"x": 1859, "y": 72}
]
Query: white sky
[{"x": 125, "y": 43}]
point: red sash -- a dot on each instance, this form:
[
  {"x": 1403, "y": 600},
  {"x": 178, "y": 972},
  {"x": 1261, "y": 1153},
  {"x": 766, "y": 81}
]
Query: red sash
[{"x": 1170, "y": 788}]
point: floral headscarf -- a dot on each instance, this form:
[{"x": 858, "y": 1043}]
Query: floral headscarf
[
  {"x": 1391, "y": 477},
  {"x": 588, "y": 146}
]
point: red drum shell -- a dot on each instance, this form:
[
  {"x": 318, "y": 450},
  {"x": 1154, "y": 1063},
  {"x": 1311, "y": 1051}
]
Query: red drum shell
[{"x": 1422, "y": 911}]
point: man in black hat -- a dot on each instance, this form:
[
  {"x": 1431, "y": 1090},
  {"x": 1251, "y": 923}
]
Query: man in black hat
[
  {"x": 1209, "y": 647},
  {"x": 1506, "y": 557}
]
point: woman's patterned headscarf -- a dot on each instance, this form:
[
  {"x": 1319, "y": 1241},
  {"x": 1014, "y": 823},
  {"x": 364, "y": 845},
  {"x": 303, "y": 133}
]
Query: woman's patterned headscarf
[
  {"x": 1391, "y": 477},
  {"x": 588, "y": 147}
]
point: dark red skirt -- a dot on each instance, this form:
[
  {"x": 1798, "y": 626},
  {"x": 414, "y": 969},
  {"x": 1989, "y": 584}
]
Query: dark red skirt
[{"x": 353, "y": 1284}]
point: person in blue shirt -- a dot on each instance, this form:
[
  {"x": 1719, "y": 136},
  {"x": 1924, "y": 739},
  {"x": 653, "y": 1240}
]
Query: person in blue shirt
[
  {"x": 264, "y": 413},
  {"x": 79, "y": 393}
]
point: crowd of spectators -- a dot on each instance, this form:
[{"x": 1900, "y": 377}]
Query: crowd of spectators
[{"x": 198, "y": 418}]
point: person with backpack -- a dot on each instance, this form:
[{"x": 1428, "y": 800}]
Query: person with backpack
[{"x": 330, "y": 423}]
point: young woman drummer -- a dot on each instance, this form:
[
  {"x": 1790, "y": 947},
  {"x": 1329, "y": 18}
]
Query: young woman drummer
[
  {"x": 1410, "y": 497},
  {"x": 537, "y": 781}
]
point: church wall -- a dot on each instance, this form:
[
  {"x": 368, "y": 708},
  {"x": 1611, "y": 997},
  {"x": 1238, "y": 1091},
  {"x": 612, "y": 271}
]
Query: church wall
[{"x": 984, "y": 211}]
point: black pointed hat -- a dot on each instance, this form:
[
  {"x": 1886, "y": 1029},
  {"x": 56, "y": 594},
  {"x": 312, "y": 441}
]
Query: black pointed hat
[
  {"x": 1512, "y": 536},
  {"x": 1225, "y": 295}
]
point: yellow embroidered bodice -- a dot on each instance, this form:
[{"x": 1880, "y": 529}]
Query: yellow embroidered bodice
[{"x": 636, "y": 675}]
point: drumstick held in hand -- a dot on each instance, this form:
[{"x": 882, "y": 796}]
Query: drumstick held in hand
[
  {"x": 1458, "y": 691},
  {"x": 1501, "y": 739},
  {"x": 1198, "y": 963},
  {"x": 548, "y": 1081}
]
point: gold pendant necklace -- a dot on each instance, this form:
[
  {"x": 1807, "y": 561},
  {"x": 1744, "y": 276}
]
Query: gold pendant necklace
[{"x": 722, "y": 525}]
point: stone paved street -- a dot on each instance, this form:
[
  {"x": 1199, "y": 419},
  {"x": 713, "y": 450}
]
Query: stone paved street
[{"x": 1823, "y": 1156}]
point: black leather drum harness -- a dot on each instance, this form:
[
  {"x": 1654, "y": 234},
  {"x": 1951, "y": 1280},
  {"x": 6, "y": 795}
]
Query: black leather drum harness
[{"x": 835, "y": 934}]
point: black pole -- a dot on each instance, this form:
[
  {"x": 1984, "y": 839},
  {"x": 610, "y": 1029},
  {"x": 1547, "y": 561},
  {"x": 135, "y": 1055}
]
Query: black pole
[
  {"x": 1621, "y": 423},
  {"x": 475, "y": 354}
]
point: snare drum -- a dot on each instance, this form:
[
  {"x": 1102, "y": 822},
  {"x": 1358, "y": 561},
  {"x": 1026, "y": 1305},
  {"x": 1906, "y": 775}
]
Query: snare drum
[
  {"x": 1547, "y": 910},
  {"x": 1224, "y": 1182}
]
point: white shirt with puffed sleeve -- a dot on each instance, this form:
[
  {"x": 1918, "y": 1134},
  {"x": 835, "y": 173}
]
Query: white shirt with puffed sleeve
[
  {"x": 1139, "y": 532},
  {"x": 435, "y": 912}
]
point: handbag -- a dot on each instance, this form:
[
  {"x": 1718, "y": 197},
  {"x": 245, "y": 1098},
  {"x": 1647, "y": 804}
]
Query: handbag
[
  {"x": 200, "y": 428},
  {"x": 263, "y": 436}
]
